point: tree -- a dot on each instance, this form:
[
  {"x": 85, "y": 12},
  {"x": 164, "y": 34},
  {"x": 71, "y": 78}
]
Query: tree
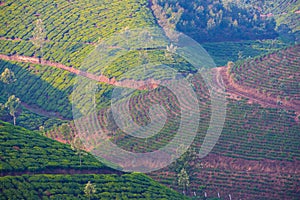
[
  {"x": 167, "y": 18},
  {"x": 230, "y": 65},
  {"x": 77, "y": 146},
  {"x": 7, "y": 76},
  {"x": 89, "y": 189},
  {"x": 170, "y": 50},
  {"x": 2, "y": 109},
  {"x": 39, "y": 36},
  {"x": 42, "y": 130},
  {"x": 65, "y": 130},
  {"x": 12, "y": 104},
  {"x": 183, "y": 180},
  {"x": 235, "y": 23}
]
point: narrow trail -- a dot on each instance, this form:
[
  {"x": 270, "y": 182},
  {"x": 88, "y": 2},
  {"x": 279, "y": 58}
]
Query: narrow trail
[
  {"x": 127, "y": 83},
  {"x": 220, "y": 79},
  {"x": 235, "y": 91}
]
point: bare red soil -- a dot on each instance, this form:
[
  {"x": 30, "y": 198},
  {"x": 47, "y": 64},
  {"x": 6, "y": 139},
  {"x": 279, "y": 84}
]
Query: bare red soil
[
  {"x": 140, "y": 85},
  {"x": 239, "y": 164}
]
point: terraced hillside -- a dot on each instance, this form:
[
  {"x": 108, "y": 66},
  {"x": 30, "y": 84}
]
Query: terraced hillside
[
  {"x": 275, "y": 76},
  {"x": 70, "y": 31},
  {"x": 256, "y": 156},
  {"x": 50, "y": 71},
  {"x": 35, "y": 167}
]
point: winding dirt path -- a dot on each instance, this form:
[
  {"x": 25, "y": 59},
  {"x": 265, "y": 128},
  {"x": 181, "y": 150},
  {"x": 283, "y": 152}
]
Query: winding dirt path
[
  {"x": 127, "y": 83},
  {"x": 236, "y": 91},
  {"x": 220, "y": 79}
]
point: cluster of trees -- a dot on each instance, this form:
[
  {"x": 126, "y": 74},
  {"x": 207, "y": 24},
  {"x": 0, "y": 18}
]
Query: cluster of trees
[
  {"x": 216, "y": 20},
  {"x": 284, "y": 12}
]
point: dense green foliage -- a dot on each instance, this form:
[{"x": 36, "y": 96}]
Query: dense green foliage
[
  {"x": 218, "y": 21},
  {"x": 128, "y": 186},
  {"x": 23, "y": 150},
  {"x": 285, "y": 12},
  {"x": 229, "y": 30}
]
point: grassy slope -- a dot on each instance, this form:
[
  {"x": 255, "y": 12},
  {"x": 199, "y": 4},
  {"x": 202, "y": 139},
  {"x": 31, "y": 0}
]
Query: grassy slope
[
  {"x": 23, "y": 151},
  {"x": 68, "y": 42},
  {"x": 276, "y": 75},
  {"x": 69, "y": 30}
]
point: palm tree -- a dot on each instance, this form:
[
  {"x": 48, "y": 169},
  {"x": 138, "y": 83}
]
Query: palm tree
[{"x": 77, "y": 146}]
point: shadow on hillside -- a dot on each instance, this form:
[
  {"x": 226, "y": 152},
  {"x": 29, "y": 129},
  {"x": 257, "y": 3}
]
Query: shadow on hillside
[{"x": 39, "y": 95}]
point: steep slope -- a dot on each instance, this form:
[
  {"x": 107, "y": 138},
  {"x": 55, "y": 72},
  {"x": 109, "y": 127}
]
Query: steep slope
[
  {"x": 36, "y": 157},
  {"x": 256, "y": 156},
  {"x": 274, "y": 76},
  {"x": 70, "y": 34},
  {"x": 26, "y": 151},
  {"x": 71, "y": 31}
]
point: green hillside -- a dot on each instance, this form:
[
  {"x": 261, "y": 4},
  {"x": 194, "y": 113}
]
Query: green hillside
[
  {"x": 28, "y": 159},
  {"x": 258, "y": 146},
  {"x": 49, "y": 44},
  {"x": 72, "y": 30},
  {"x": 275, "y": 75},
  {"x": 45, "y": 186},
  {"x": 23, "y": 150}
]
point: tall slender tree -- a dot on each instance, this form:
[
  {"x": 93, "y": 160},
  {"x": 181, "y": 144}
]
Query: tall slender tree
[
  {"x": 2, "y": 109},
  {"x": 12, "y": 104},
  {"x": 77, "y": 146},
  {"x": 38, "y": 38}
]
